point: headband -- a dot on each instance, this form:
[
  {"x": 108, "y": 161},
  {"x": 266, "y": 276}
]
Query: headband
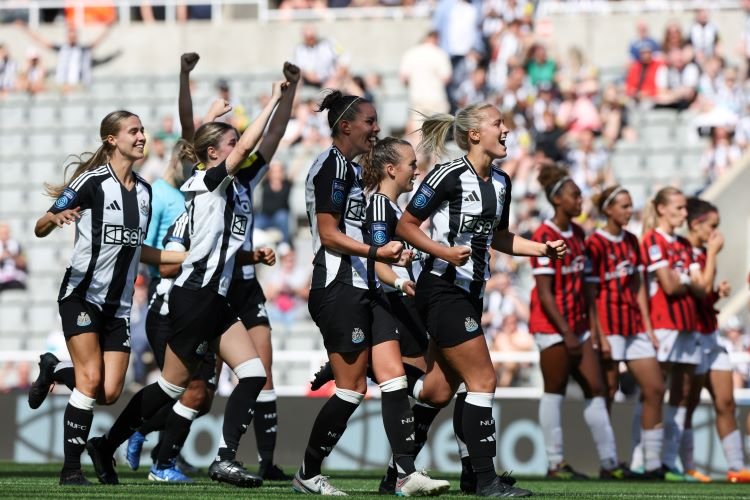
[
  {"x": 557, "y": 186},
  {"x": 612, "y": 195},
  {"x": 356, "y": 98}
]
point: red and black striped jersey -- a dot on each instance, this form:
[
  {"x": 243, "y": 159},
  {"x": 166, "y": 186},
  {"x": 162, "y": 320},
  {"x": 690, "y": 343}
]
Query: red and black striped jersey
[
  {"x": 567, "y": 280},
  {"x": 616, "y": 266},
  {"x": 706, "y": 320},
  {"x": 659, "y": 249}
]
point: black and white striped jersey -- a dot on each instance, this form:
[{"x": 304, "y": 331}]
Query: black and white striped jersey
[
  {"x": 464, "y": 210},
  {"x": 109, "y": 235},
  {"x": 177, "y": 239},
  {"x": 380, "y": 228},
  {"x": 334, "y": 185},
  {"x": 256, "y": 169},
  {"x": 219, "y": 213}
]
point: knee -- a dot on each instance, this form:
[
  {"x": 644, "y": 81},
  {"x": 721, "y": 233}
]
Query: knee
[
  {"x": 110, "y": 395},
  {"x": 654, "y": 393},
  {"x": 196, "y": 396},
  {"x": 89, "y": 380},
  {"x": 485, "y": 381},
  {"x": 439, "y": 398},
  {"x": 725, "y": 406}
]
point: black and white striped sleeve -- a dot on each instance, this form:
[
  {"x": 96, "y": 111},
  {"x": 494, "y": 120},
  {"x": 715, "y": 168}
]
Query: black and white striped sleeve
[
  {"x": 178, "y": 236},
  {"x": 380, "y": 221},
  {"x": 433, "y": 191},
  {"x": 331, "y": 185},
  {"x": 79, "y": 193}
]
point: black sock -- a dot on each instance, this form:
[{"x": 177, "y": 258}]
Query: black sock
[
  {"x": 412, "y": 375},
  {"x": 479, "y": 430},
  {"x": 77, "y": 424},
  {"x": 423, "y": 418},
  {"x": 172, "y": 439},
  {"x": 157, "y": 421},
  {"x": 66, "y": 376},
  {"x": 238, "y": 414},
  {"x": 328, "y": 428},
  {"x": 265, "y": 424},
  {"x": 398, "y": 421},
  {"x": 141, "y": 407}
]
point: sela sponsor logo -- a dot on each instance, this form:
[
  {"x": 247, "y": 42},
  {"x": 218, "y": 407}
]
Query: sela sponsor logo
[
  {"x": 66, "y": 199},
  {"x": 622, "y": 270},
  {"x": 355, "y": 210},
  {"x": 83, "y": 319},
  {"x": 379, "y": 233},
  {"x": 423, "y": 196},
  {"x": 577, "y": 265},
  {"x": 239, "y": 225},
  {"x": 470, "y": 324},
  {"x": 125, "y": 236},
  {"x": 358, "y": 336},
  {"x": 477, "y": 225}
]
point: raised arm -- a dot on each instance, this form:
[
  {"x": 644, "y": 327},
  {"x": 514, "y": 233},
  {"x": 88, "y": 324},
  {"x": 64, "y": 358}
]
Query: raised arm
[
  {"x": 277, "y": 127},
  {"x": 185, "y": 101},
  {"x": 98, "y": 40},
  {"x": 38, "y": 38}
]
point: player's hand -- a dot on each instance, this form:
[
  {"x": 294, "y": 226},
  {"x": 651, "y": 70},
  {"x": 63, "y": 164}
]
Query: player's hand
[
  {"x": 556, "y": 249},
  {"x": 265, "y": 256},
  {"x": 715, "y": 242},
  {"x": 409, "y": 288},
  {"x": 291, "y": 72},
  {"x": 278, "y": 89},
  {"x": 219, "y": 107},
  {"x": 458, "y": 255},
  {"x": 605, "y": 349},
  {"x": 573, "y": 344},
  {"x": 654, "y": 339},
  {"x": 188, "y": 61},
  {"x": 406, "y": 257},
  {"x": 390, "y": 253},
  {"x": 66, "y": 216},
  {"x": 724, "y": 289}
]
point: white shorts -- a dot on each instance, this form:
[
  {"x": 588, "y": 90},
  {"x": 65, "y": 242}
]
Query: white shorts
[
  {"x": 545, "y": 340},
  {"x": 714, "y": 357},
  {"x": 631, "y": 347},
  {"x": 678, "y": 347}
]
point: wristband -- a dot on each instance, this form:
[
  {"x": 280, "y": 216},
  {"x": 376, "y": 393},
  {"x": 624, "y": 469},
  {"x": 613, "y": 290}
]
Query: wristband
[
  {"x": 694, "y": 267},
  {"x": 372, "y": 253},
  {"x": 684, "y": 279},
  {"x": 399, "y": 284}
]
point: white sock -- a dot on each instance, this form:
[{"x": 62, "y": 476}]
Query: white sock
[
  {"x": 418, "y": 388},
  {"x": 687, "y": 447},
  {"x": 674, "y": 424},
  {"x": 550, "y": 419},
  {"x": 651, "y": 440},
  {"x": 732, "y": 444},
  {"x": 747, "y": 444},
  {"x": 637, "y": 459},
  {"x": 596, "y": 416}
]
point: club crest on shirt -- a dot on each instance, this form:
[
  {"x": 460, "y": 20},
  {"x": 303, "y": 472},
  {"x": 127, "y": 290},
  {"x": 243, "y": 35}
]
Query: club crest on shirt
[
  {"x": 202, "y": 348},
  {"x": 423, "y": 196},
  {"x": 501, "y": 197},
  {"x": 379, "y": 233},
  {"x": 65, "y": 199},
  {"x": 83, "y": 319},
  {"x": 337, "y": 192},
  {"x": 143, "y": 207},
  {"x": 358, "y": 336},
  {"x": 654, "y": 253},
  {"x": 471, "y": 325}
]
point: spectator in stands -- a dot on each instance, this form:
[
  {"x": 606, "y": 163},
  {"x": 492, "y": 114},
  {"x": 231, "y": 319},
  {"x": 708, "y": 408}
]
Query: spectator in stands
[
  {"x": 12, "y": 262},
  {"x": 614, "y": 116},
  {"x": 33, "y": 76},
  {"x": 156, "y": 159},
  {"x": 316, "y": 57},
  {"x": 274, "y": 201},
  {"x": 7, "y": 72},
  {"x": 101, "y": 13},
  {"x": 730, "y": 95},
  {"x": 581, "y": 114},
  {"x": 546, "y": 101},
  {"x": 138, "y": 342},
  {"x": 678, "y": 82},
  {"x": 708, "y": 84},
  {"x": 721, "y": 154},
  {"x": 703, "y": 35},
  {"x": 576, "y": 68},
  {"x": 673, "y": 38},
  {"x": 589, "y": 164},
  {"x": 287, "y": 287},
  {"x": 505, "y": 49},
  {"x": 238, "y": 116},
  {"x": 643, "y": 39},
  {"x": 457, "y": 23},
  {"x": 474, "y": 89},
  {"x": 511, "y": 337},
  {"x": 517, "y": 93},
  {"x": 550, "y": 139},
  {"x": 74, "y": 60},
  {"x": 501, "y": 300},
  {"x": 426, "y": 71},
  {"x": 735, "y": 340},
  {"x": 539, "y": 66},
  {"x": 641, "y": 79}
]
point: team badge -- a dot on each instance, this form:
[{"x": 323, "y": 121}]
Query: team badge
[
  {"x": 358, "y": 336},
  {"x": 143, "y": 206},
  {"x": 83, "y": 319},
  {"x": 543, "y": 261},
  {"x": 337, "y": 193},
  {"x": 423, "y": 196},
  {"x": 379, "y": 233},
  {"x": 202, "y": 348},
  {"x": 262, "y": 311},
  {"x": 471, "y": 325},
  {"x": 65, "y": 199},
  {"x": 501, "y": 197},
  {"x": 654, "y": 253}
]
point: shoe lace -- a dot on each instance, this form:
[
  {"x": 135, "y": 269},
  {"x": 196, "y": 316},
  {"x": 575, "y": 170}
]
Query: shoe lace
[{"x": 324, "y": 485}]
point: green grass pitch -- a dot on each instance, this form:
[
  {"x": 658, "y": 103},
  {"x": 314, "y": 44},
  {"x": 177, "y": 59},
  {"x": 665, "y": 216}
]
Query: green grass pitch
[{"x": 40, "y": 481}]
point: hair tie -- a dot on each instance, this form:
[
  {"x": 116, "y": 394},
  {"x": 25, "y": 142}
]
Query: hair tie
[
  {"x": 612, "y": 195},
  {"x": 356, "y": 98},
  {"x": 557, "y": 186}
]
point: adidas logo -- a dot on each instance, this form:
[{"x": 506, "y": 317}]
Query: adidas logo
[
  {"x": 488, "y": 439},
  {"x": 77, "y": 440},
  {"x": 126, "y": 343},
  {"x": 114, "y": 206},
  {"x": 472, "y": 197},
  {"x": 272, "y": 430}
]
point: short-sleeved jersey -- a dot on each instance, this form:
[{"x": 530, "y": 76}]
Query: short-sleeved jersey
[
  {"x": 334, "y": 186},
  {"x": 254, "y": 169},
  {"x": 464, "y": 209},
  {"x": 567, "y": 280},
  {"x": 659, "y": 249},
  {"x": 177, "y": 239},
  {"x": 109, "y": 235},
  {"x": 380, "y": 228},
  {"x": 707, "y": 322},
  {"x": 218, "y": 207},
  {"x": 617, "y": 268},
  {"x": 167, "y": 204}
]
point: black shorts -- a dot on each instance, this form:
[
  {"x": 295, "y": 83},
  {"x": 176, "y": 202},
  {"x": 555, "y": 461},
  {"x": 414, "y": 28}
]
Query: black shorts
[
  {"x": 198, "y": 317},
  {"x": 158, "y": 330},
  {"x": 412, "y": 333},
  {"x": 351, "y": 319},
  {"x": 451, "y": 315},
  {"x": 80, "y": 316},
  {"x": 247, "y": 298}
]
